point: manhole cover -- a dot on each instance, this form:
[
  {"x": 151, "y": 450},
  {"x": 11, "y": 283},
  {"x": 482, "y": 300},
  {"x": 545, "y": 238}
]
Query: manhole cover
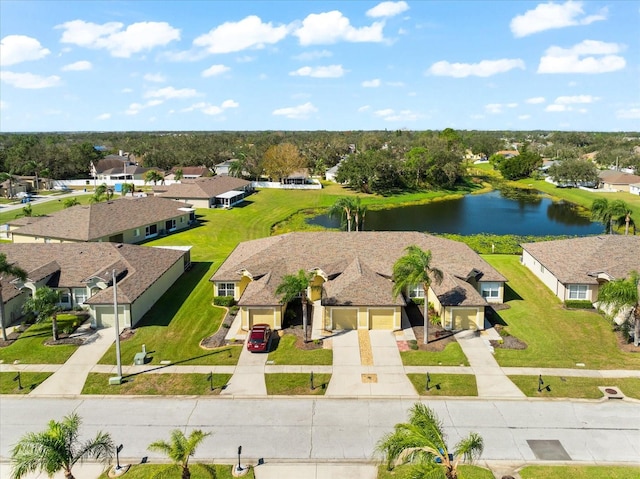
[{"x": 610, "y": 391}]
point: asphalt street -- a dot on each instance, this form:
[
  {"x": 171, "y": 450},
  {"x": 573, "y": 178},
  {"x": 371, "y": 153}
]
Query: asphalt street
[{"x": 334, "y": 430}]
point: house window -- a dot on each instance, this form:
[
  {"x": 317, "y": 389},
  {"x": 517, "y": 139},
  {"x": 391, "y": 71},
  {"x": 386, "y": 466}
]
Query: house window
[
  {"x": 491, "y": 293},
  {"x": 542, "y": 269},
  {"x": 136, "y": 232},
  {"x": 577, "y": 291},
  {"x": 151, "y": 230},
  {"x": 226, "y": 289},
  {"x": 65, "y": 297},
  {"x": 416, "y": 291},
  {"x": 80, "y": 295}
]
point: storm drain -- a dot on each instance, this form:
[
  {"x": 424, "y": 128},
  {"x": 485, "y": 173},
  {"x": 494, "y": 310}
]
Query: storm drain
[
  {"x": 548, "y": 450},
  {"x": 611, "y": 392}
]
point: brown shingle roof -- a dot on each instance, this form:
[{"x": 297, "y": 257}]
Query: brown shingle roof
[
  {"x": 618, "y": 177},
  {"x": 365, "y": 258},
  {"x": 580, "y": 260},
  {"x": 91, "y": 222},
  {"x": 208, "y": 187},
  {"x": 72, "y": 264}
]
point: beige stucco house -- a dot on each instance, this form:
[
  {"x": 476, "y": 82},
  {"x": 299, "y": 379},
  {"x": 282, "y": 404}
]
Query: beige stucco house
[
  {"x": 353, "y": 279},
  {"x": 575, "y": 268},
  {"x": 83, "y": 273},
  {"x": 220, "y": 191},
  {"x": 617, "y": 180},
  {"x": 125, "y": 220}
]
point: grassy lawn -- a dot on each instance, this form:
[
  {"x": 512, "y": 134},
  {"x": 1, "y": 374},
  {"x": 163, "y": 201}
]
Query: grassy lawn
[
  {"x": 570, "y": 387},
  {"x": 29, "y": 381},
  {"x": 173, "y": 328},
  {"x": 445, "y": 384},
  {"x": 452, "y": 355},
  {"x": 579, "y": 472},
  {"x": 157, "y": 384},
  {"x": 288, "y": 353},
  {"x": 145, "y": 471},
  {"x": 29, "y": 348},
  {"x": 555, "y": 337},
  {"x": 41, "y": 208},
  {"x": 297, "y": 384},
  {"x": 466, "y": 472}
]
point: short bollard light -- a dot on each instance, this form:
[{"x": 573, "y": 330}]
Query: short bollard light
[
  {"x": 311, "y": 381},
  {"x": 428, "y": 385},
  {"x": 540, "y": 383},
  {"x": 19, "y": 380},
  {"x": 210, "y": 379},
  {"x": 118, "y": 449},
  {"x": 239, "y": 467}
]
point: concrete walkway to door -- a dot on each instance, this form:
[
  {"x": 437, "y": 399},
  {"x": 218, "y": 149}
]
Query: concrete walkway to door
[
  {"x": 385, "y": 377},
  {"x": 491, "y": 380}
]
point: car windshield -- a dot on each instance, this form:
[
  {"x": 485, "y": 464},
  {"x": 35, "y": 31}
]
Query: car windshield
[{"x": 257, "y": 340}]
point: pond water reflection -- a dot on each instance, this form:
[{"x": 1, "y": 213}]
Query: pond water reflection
[{"x": 493, "y": 213}]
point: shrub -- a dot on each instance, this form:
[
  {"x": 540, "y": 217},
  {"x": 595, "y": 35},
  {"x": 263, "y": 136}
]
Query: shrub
[
  {"x": 418, "y": 301},
  {"x": 227, "y": 301},
  {"x": 413, "y": 344},
  {"x": 578, "y": 304}
]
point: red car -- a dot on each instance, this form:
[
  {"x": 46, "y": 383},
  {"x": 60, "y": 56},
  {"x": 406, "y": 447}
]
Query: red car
[{"x": 259, "y": 338}]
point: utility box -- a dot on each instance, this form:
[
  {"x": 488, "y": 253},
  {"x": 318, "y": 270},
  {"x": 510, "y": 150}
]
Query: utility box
[{"x": 138, "y": 359}]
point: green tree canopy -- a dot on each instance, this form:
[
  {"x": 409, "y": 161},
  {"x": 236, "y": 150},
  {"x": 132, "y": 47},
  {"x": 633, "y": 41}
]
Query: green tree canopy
[
  {"x": 624, "y": 293},
  {"x": 44, "y": 304},
  {"x": 293, "y": 286}
]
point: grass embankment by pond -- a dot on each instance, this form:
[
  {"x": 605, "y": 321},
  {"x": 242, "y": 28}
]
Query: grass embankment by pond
[{"x": 555, "y": 337}]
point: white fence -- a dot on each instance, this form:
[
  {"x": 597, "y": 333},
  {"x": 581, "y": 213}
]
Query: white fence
[{"x": 315, "y": 185}]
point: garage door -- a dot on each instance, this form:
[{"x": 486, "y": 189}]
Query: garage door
[
  {"x": 105, "y": 317},
  {"x": 257, "y": 316},
  {"x": 464, "y": 319},
  {"x": 345, "y": 318},
  {"x": 381, "y": 319}
]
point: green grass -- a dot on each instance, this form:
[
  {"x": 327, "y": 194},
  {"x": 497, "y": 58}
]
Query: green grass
[
  {"x": 173, "y": 329},
  {"x": 296, "y": 384},
  {"x": 579, "y": 472},
  {"x": 29, "y": 381},
  {"x": 42, "y": 208},
  {"x": 452, "y": 355},
  {"x": 288, "y": 353},
  {"x": 574, "y": 387},
  {"x": 555, "y": 337},
  {"x": 445, "y": 384},
  {"x": 29, "y": 348},
  {"x": 145, "y": 471},
  {"x": 188, "y": 384},
  {"x": 466, "y": 472}
]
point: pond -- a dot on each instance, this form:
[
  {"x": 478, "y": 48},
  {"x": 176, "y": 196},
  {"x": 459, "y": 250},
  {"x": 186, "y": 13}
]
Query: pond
[{"x": 498, "y": 213}]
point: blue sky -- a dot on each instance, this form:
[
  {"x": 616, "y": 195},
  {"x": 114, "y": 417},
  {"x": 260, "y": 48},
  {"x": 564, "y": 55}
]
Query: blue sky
[{"x": 316, "y": 65}]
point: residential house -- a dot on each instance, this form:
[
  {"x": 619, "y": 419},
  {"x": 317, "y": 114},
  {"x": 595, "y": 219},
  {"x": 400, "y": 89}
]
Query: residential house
[
  {"x": 188, "y": 172},
  {"x": 11, "y": 187},
  {"x": 617, "y": 180},
  {"x": 353, "y": 279},
  {"x": 574, "y": 269},
  {"x": 634, "y": 189},
  {"x": 83, "y": 274},
  {"x": 218, "y": 191},
  {"x": 224, "y": 167},
  {"x": 125, "y": 220}
]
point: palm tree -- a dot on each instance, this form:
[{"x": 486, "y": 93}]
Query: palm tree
[
  {"x": 237, "y": 166},
  {"x": 127, "y": 188},
  {"x": 7, "y": 269},
  {"x": 359, "y": 211},
  {"x": 58, "y": 449},
  {"x": 622, "y": 294},
  {"x": 415, "y": 268},
  {"x": 11, "y": 179},
  {"x": 612, "y": 212},
  {"x": 343, "y": 208},
  {"x": 153, "y": 175},
  {"x": 180, "y": 449},
  {"x": 44, "y": 304},
  {"x": 422, "y": 442},
  {"x": 69, "y": 202},
  {"x": 293, "y": 286}
]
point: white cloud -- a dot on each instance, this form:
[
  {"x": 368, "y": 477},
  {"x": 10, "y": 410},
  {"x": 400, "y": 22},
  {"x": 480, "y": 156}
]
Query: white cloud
[
  {"x": 332, "y": 27},
  {"x": 568, "y": 100},
  {"x": 629, "y": 114},
  {"x": 171, "y": 92},
  {"x": 136, "y": 108},
  {"x": 121, "y": 43},
  {"x": 364, "y": 108},
  {"x": 214, "y": 70},
  {"x": 524, "y": 117},
  {"x": 329, "y": 71},
  {"x": 535, "y": 100},
  {"x": 77, "y": 66},
  {"x": 556, "y": 108},
  {"x": 375, "y": 83},
  {"x": 388, "y": 9},
  {"x": 155, "y": 77},
  {"x": 249, "y": 32},
  {"x": 299, "y": 112},
  {"x": 313, "y": 55},
  {"x": 245, "y": 59},
  {"x": 494, "y": 108},
  {"x": 20, "y": 48},
  {"x": 551, "y": 15},
  {"x": 29, "y": 81},
  {"x": 127, "y": 90},
  {"x": 230, "y": 104},
  {"x": 210, "y": 109},
  {"x": 485, "y": 68},
  {"x": 589, "y": 56},
  {"x": 3, "y": 105},
  {"x": 104, "y": 116},
  {"x": 389, "y": 114}
]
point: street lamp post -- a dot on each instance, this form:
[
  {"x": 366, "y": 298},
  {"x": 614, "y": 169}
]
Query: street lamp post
[{"x": 118, "y": 378}]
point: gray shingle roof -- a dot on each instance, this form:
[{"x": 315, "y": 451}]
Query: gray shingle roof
[
  {"x": 203, "y": 188},
  {"x": 580, "y": 260},
  {"x": 72, "y": 264},
  {"x": 358, "y": 258},
  {"x": 91, "y": 222}
]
